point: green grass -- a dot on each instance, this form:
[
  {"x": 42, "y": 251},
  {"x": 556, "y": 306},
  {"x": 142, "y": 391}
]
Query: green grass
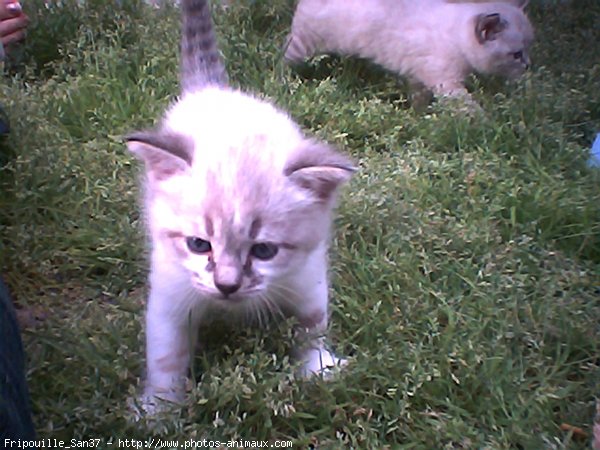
[{"x": 466, "y": 263}]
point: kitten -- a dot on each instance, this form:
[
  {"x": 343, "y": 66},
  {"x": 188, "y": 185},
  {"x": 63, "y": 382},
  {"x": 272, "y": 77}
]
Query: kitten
[
  {"x": 239, "y": 207},
  {"x": 436, "y": 44}
]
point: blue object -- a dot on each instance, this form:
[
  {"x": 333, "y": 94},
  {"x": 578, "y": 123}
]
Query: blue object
[
  {"x": 4, "y": 128},
  {"x": 594, "y": 160},
  {"x": 15, "y": 413}
]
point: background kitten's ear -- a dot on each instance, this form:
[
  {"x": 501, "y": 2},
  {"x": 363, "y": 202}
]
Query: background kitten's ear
[
  {"x": 320, "y": 169},
  {"x": 163, "y": 153},
  {"x": 488, "y": 27}
]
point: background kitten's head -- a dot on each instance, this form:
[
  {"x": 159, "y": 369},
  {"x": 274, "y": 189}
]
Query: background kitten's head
[
  {"x": 502, "y": 37},
  {"x": 237, "y": 197}
]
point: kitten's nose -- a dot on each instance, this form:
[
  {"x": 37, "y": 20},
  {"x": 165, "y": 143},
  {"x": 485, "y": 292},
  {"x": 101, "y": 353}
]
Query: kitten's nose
[
  {"x": 228, "y": 289},
  {"x": 228, "y": 274}
]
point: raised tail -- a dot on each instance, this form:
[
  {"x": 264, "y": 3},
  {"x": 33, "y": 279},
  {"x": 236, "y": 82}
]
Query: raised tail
[{"x": 201, "y": 63}]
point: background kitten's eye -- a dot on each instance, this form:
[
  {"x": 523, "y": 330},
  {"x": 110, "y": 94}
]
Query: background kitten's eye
[
  {"x": 264, "y": 251},
  {"x": 197, "y": 245},
  {"x": 518, "y": 55}
]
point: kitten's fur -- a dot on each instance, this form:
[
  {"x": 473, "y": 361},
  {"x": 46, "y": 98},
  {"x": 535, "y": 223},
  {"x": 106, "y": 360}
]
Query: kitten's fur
[
  {"x": 229, "y": 181},
  {"x": 434, "y": 43}
]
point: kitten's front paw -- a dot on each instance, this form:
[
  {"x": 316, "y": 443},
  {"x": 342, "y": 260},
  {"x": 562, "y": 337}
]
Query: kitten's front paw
[
  {"x": 321, "y": 362},
  {"x": 462, "y": 104},
  {"x": 150, "y": 404},
  {"x": 141, "y": 407}
]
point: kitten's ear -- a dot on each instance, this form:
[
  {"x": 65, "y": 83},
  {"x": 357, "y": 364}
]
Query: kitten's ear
[
  {"x": 488, "y": 27},
  {"x": 521, "y": 4},
  {"x": 164, "y": 153},
  {"x": 320, "y": 169}
]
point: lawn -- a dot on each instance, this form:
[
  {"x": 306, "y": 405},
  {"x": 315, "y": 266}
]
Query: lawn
[{"x": 465, "y": 266}]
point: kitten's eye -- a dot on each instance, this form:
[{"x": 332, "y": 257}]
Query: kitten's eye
[
  {"x": 264, "y": 251},
  {"x": 197, "y": 245},
  {"x": 518, "y": 55}
]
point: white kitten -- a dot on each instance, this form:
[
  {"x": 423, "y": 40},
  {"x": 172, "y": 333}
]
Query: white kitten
[
  {"x": 239, "y": 206},
  {"x": 434, "y": 43}
]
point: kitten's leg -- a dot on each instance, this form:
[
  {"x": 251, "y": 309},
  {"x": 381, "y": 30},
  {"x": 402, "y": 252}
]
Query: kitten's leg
[
  {"x": 458, "y": 98},
  {"x": 447, "y": 87},
  {"x": 312, "y": 315},
  {"x": 420, "y": 96},
  {"x": 169, "y": 335},
  {"x": 311, "y": 347},
  {"x": 302, "y": 43},
  {"x": 296, "y": 50},
  {"x": 450, "y": 89}
]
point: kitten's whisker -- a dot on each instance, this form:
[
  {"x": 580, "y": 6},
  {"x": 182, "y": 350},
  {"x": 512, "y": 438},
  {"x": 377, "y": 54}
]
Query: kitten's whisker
[
  {"x": 256, "y": 317},
  {"x": 285, "y": 295},
  {"x": 258, "y": 314},
  {"x": 247, "y": 314},
  {"x": 265, "y": 307},
  {"x": 285, "y": 289},
  {"x": 273, "y": 308}
]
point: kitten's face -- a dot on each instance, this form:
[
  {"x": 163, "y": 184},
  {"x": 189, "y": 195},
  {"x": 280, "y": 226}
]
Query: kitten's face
[
  {"x": 505, "y": 50},
  {"x": 241, "y": 250},
  {"x": 509, "y": 57},
  {"x": 236, "y": 210}
]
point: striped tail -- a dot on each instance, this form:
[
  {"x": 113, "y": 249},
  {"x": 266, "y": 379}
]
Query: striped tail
[{"x": 201, "y": 63}]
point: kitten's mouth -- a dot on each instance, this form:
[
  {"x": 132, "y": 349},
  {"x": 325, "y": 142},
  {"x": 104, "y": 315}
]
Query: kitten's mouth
[
  {"x": 236, "y": 298},
  {"x": 233, "y": 299},
  {"x": 516, "y": 73}
]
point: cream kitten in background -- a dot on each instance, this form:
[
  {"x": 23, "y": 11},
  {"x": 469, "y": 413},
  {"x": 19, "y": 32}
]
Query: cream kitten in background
[
  {"x": 239, "y": 207},
  {"x": 436, "y": 44}
]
